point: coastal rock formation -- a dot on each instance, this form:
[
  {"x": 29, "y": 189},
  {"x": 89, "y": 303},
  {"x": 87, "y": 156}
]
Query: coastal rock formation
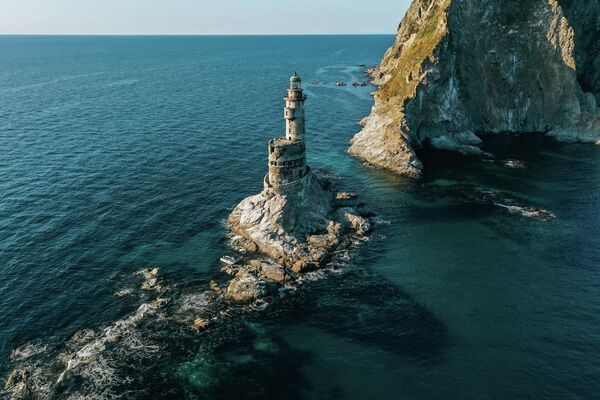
[
  {"x": 245, "y": 287},
  {"x": 297, "y": 229},
  {"x": 459, "y": 68}
]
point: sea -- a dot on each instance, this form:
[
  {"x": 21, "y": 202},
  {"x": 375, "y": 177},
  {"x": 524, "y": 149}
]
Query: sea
[{"x": 479, "y": 281}]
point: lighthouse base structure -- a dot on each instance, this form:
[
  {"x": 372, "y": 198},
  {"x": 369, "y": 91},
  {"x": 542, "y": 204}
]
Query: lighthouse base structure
[{"x": 287, "y": 162}]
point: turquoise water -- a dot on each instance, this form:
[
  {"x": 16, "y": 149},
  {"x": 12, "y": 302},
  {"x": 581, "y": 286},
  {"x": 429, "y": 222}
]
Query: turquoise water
[{"x": 120, "y": 153}]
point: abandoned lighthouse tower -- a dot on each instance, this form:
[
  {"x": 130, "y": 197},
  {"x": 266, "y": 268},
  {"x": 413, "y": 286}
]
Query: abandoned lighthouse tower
[
  {"x": 287, "y": 155},
  {"x": 299, "y": 218}
]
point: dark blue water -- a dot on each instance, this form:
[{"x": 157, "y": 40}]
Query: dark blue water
[{"x": 120, "y": 153}]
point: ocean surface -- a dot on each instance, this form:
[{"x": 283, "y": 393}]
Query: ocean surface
[{"x": 481, "y": 281}]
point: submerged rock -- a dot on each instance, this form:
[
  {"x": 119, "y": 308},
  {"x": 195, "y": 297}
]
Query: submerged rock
[
  {"x": 528, "y": 212},
  {"x": 503, "y": 201},
  {"x": 346, "y": 199},
  {"x": 494, "y": 66},
  {"x": 16, "y": 384},
  {"x": 515, "y": 164},
  {"x": 151, "y": 279},
  {"x": 200, "y": 324},
  {"x": 214, "y": 286},
  {"x": 15, "y": 377},
  {"x": 159, "y": 303}
]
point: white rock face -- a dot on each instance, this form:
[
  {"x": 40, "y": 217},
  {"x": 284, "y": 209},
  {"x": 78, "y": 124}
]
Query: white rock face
[
  {"x": 286, "y": 226},
  {"x": 372, "y": 145}
]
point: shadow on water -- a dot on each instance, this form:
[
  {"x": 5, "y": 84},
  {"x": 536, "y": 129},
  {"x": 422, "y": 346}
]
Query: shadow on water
[
  {"x": 245, "y": 356},
  {"x": 368, "y": 309}
]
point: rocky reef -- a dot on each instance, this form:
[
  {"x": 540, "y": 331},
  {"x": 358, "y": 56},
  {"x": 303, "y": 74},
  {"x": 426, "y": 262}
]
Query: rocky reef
[
  {"x": 278, "y": 239},
  {"x": 460, "y": 68},
  {"x": 298, "y": 230}
]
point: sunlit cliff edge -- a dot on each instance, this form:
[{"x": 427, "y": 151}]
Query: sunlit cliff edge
[{"x": 459, "y": 68}]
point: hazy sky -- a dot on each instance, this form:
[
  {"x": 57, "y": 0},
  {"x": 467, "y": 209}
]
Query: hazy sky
[{"x": 200, "y": 16}]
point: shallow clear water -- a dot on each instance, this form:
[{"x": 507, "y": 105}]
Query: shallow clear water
[{"x": 122, "y": 153}]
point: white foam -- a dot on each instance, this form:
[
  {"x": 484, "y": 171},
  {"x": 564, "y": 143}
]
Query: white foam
[
  {"x": 91, "y": 361},
  {"x": 528, "y": 212},
  {"x": 193, "y": 304},
  {"x": 28, "y": 350},
  {"x": 124, "y": 292},
  {"x": 380, "y": 220},
  {"x": 515, "y": 164}
]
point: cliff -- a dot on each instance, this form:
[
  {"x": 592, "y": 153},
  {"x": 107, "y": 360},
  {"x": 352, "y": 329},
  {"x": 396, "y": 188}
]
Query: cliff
[{"x": 460, "y": 68}]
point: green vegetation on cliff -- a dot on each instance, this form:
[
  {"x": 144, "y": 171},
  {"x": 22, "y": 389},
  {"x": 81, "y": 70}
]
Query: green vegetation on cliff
[{"x": 404, "y": 61}]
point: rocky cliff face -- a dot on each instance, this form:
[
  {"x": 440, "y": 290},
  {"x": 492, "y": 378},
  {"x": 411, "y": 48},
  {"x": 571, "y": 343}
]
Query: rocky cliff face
[{"x": 461, "y": 67}]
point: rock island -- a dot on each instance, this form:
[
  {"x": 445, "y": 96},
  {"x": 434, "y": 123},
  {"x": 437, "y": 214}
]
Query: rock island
[{"x": 298, "y": 219}]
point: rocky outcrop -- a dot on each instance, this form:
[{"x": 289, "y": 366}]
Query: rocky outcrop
[
  {"x": 300, "y": 226},
  {"x": 461, "y": 67},
  {"x": 297, "y": 227},
  {"x": 245, "y": 287},
  {"x": 298, "y": 220}
]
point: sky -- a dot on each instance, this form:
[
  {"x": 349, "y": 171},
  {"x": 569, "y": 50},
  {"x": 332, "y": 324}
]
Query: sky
[{"x": 200, "y": 17}]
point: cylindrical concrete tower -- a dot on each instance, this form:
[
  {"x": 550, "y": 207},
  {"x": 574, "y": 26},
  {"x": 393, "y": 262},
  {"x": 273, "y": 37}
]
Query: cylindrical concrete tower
[
  {"x": 287, "y": 162},
  {"x": 287, "y": 155},
  {"x": 294, "y": 110}
]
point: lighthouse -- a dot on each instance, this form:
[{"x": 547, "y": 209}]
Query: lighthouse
[
  {"x": 294, "y": 110},
  {"x": 287, "y": 154}
]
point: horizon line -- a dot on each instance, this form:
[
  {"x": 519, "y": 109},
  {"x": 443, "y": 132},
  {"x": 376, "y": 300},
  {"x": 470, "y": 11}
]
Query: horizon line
[{"x": 196, "y": 34}]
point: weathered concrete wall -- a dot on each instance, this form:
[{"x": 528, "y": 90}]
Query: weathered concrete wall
[
  {"x": 287, "y": 161},
  {"x": 294, "y": 114}
]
